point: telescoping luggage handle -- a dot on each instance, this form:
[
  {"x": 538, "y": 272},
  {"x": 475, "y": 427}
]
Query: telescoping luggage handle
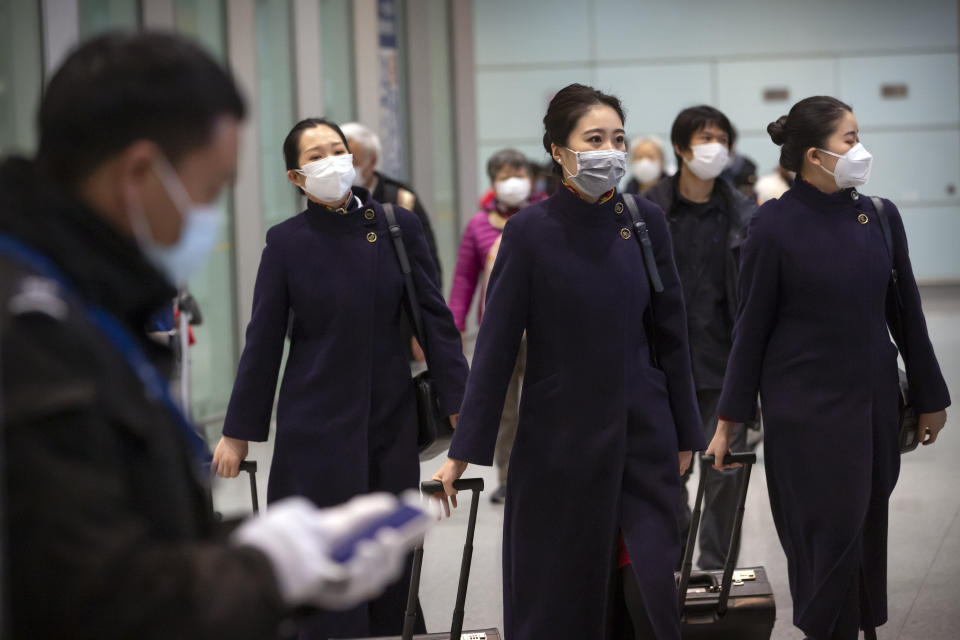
[
  {"x": 430, "y": 488},
  {"x": 706, "y": 462},
  {"x": 250, "y": 466}
]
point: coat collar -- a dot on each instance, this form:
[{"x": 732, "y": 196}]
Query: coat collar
[
  {"x": 816, "y": 199},
  {"x": 589, "y": 211},
  {"x": 105, "y": 267},
  {"x": 358, "y": 198}
]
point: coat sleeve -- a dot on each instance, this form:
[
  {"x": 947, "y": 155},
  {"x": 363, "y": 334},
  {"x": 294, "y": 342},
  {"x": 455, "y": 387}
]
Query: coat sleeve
[
  {"x": 251, "y": 402},
  {"x": 757, "y": 294},
  {"x": 465, "y": 278},
  {"x": 672, "y": 339},
  {"x": 495, "y": 356},
  {"x": 85, "y": 560},
  {"x": 928, "y": 389},
  {"x": 444, "y": 348}
]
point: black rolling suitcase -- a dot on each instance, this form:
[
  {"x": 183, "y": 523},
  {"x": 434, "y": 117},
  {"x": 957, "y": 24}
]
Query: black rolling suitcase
[
  {"x": 728, "y": 603},
  {"x": 456, "y": 627}
]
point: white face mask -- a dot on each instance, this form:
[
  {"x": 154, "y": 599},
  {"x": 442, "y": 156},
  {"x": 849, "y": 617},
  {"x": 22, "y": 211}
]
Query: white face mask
[
  {"x": 329, "y": 179},
  {"x": 853, "y": 167},
  {"x": 646, "y": 170},
  {"x": 199, "y": 231},
  {"x": 598, "y": 171},
  {"x": 512, "y": 191},
  {"x": 709, "y": 160}
]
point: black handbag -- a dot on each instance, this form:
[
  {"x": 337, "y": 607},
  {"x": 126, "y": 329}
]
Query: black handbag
[
  {"x": 909, "y": 418},
  {"x": 434, "y": 429}
]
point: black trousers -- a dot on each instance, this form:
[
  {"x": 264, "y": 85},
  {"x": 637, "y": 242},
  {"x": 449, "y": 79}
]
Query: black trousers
[
  {"x": 720, "y": 496},
  {"x": 642, "y": 630}
]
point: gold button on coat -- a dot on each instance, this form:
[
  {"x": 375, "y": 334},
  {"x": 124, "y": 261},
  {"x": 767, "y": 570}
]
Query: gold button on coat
[
  {"x": 369, "y": 214},
  {"x": 625, "y": 233},
  {"x": 371, "y": 237},
  {"x": 618, "y": 208},
  {"x": 863, "y": 218}
]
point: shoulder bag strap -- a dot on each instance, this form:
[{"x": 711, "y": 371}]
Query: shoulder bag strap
[
  {"x": 653, "y": 273},
  {"x": 897, "y": 329},
  {"x": 396, "y": 234},
  {"x": 643, "y": 237}
]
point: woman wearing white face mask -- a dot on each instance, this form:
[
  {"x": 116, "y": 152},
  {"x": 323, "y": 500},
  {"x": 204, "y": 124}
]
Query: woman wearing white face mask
[
  {"x": 511, "y": 185},
  {"x": 812, "y": 337},
  {"x": 330, "y": 281},
  {"x": 647, "y": 164},
  {"x": 604, "y": 435}
]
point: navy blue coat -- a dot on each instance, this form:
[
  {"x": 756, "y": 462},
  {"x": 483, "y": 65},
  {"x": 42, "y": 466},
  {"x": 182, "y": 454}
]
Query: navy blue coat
[
  {"x": 346, "y": 413},
  {"x": 600, "y": 428},
  {"x": 811, "y": 336}
]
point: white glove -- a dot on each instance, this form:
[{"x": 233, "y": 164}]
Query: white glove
[{"x": 298, "y": 539}]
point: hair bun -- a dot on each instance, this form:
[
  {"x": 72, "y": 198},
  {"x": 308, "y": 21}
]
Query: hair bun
[{"x": 778, "y": 130}]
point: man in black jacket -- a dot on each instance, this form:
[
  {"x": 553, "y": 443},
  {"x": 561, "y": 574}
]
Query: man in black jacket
[
  {"x": 708, "y": 220},
  {"x": 108, "y": 529}
]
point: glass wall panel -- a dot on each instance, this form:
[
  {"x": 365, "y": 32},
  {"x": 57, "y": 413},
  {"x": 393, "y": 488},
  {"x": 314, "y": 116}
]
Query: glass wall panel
[
  {"x": 97, "y": 16},
  {"x": 21, "y": 74},
  {"x": 213, "y": 358},
  {"x": 205, "y": 21},
  {"x": 275, "y": 91},
  {"x": 444, "y": 214},
  {"x": 336, "y": 44}
]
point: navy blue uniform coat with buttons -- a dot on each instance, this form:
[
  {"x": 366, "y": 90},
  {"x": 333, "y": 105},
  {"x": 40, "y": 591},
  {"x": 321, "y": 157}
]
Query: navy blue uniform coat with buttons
[
  {"x": 600, "y": 428},
  {"x": 811, "y": 336},
  {"x": 346, "y": 413}
]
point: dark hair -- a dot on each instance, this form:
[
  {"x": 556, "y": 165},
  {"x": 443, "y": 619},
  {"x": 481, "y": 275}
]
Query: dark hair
[
  {"x": 506, "y": 158},
  {"x": 809, "y": 124},
  {"x": 291, "y": 144},
  {"x": 119, "y": 88},
  {"x": 693, "y": 119},
  {"x": 566, "y": 108}
]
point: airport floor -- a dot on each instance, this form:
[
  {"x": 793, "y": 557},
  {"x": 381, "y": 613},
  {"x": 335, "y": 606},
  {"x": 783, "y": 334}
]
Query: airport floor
[{"x": 924, "y": 540}]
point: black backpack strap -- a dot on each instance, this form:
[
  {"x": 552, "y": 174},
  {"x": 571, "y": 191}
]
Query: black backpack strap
[
  {"x": 643, "y": 237},
  {"x": 396, "y": 234}
]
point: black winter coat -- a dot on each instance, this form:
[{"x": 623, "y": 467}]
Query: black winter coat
[
  {"x": 110, "y": 531},
  {"x": 600, "y": 428},
  {"x": 346, "y": 410},
  {"x": 811, "y": 336}
]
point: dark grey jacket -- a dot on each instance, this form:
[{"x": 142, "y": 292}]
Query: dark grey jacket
[{"x": 740, "y": 208}]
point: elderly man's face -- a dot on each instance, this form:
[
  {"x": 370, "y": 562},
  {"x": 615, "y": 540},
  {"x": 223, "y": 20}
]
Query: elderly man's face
[{"x": 364, "y": 162}]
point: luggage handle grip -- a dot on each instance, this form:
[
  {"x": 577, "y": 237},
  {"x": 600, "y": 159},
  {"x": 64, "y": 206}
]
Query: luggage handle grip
[
  {"x": 704, "y": 578},
  {"x": 250, "y": 466},
  {"x": 431, "y": 487},
  {"x": 733, "y": 458}
]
